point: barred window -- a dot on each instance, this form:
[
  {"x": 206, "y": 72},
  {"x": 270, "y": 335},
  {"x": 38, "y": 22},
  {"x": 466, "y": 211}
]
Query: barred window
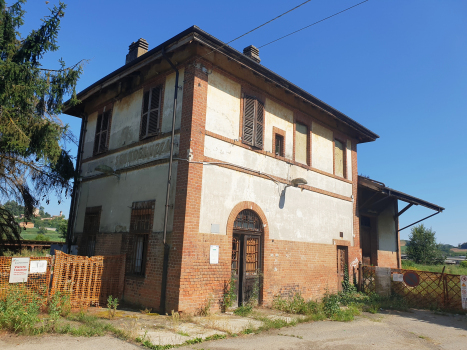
[
  {"x": 142, "y": 216},
  {"x": 92, "y": 219}
]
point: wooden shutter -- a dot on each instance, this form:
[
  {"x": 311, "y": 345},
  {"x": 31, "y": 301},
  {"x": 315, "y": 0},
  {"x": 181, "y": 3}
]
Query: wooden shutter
[
  {"x": 259, "y": 125},
  {"x": 151, "y": 111},
  {"x": 249, "y": 120}
]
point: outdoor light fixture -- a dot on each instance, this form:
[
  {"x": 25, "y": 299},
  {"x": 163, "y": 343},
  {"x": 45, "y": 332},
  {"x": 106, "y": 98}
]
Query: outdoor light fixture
[
  {"x": 106, "y": 170},
  {"x": 298, "y": 181}
]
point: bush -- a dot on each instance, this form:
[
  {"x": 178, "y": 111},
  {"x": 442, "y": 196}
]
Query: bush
[
  {"x": 331, "y": 305},
  {"x": 296, "y": 305},
  {"x": 19, "y": 312},
  {"x": 463, "y": 264},
  {"x": 41, "y": 237}
]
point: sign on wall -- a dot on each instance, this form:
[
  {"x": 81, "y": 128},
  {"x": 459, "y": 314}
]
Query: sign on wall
[
  {"x": 19, "y": 270},
  {"x": 38, "y": 266},
  {"x": 464, "y": 291},
  {"x": 214, "y": 254}
]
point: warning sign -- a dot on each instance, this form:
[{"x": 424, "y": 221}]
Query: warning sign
[
  {"x": 19, "y": 270},
  {"x": 464, "y": 291}
]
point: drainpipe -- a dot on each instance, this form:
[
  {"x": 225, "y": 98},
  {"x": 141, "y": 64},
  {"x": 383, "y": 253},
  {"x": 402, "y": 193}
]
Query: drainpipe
[
  {"x": 72, "y": 215},
  {"x": 165, "y": 266}
]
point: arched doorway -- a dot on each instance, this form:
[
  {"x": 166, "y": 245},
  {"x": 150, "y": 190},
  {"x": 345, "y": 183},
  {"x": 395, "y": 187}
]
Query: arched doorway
[{"x": 247, "y": 242}]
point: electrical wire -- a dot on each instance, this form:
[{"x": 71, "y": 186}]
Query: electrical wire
[
  {"x": 262, "y": 25},
  {"x": 338, "y": 13}
]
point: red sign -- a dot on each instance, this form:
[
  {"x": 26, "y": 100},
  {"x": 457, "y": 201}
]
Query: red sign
[{"x": 411, "y": 279}]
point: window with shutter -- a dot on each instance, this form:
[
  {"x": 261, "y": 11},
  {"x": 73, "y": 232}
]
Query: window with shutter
[
  {"x": 253, "y": 122},
  {"x": 101, "y": 140},
  {"x": 151, "y": 112}
]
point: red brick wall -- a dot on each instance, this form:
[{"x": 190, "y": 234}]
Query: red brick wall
[{"x": 108, "y": 244}]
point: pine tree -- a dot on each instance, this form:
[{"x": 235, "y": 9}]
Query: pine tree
[{"x": 34, "y": 161}]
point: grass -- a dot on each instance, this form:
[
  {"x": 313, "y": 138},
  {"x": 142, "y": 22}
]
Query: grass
[
  {"x": 31, "y": 233},
  {"x": 451, "y": 269}
]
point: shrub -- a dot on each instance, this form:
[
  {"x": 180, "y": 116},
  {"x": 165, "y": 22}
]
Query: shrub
[
  {"x": 19, "y": 311},
  {"x": 296, "y": 305},
  {"x": 463, "y": 264},
  {"x": 331, "y": 305}
]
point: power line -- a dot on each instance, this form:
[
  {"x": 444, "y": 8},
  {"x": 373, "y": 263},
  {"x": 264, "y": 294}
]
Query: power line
[
  {"x": 313, "y": 24},
  {"x": 262, "y": 25}
]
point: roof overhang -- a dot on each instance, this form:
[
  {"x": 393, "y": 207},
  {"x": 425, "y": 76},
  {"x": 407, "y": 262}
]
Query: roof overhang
[{"x": 195, "y": 34}]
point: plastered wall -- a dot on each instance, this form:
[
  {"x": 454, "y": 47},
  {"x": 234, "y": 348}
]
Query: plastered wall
[
  {"x": 295, "y": 215},
  {"x": 117, "y": 195},
  {"x": 282, "y": 118},
  {"x": 223, "y": 106},
  {"x": 387, "y": 229},
  {"x": 322, "y": 148}
]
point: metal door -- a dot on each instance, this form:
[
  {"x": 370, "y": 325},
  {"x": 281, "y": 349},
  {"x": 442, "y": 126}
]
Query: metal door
[{"x": 252, "y": 268}]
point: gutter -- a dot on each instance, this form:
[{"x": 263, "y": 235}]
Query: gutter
[{"x": 165, "y": 266}]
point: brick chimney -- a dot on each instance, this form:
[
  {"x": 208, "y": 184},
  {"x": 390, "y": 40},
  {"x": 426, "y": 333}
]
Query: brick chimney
[
  {"x": 136, "y": 49},
  {"x": 252, "y": 52}
]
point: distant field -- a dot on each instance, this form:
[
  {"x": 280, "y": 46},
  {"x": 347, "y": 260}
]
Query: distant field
[
  {"x": 452, "y": 269},
  {"x": 457, "y": 250},
  {"x": 31, "y": 233},
  {"x": 403, "y": 243}
]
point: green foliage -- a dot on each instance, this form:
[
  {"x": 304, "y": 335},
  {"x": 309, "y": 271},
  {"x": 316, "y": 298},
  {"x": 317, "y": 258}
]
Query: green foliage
[
  {"x": 34, "y": 161},
  {"x": 42, "y": 231},
  {"x": 463, "y": 264},
  {"x": 14, "y": 208},
  {"x": 243, "y": 310},
  {"x": 230, "y": 294},
  {"x": 112, "y": 304},
  {"x": 58, "y": 305},
  {"x": 462, "y": 245},
  {"x": 296, "y": 305},
  {"x": 62, "y": 228},
  {"x": 422, "y": 247},
  {"x": 18, "y": 313},
  {"x": 331, "y": 304},
  {"x": 41, "y": 237}
]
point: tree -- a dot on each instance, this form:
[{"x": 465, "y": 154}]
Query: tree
[
  {"x": 463, "y": 245},
  {"x": 62, "y": 228},
  {"x": 34, "y": 161},
  {"x": 14, "y": 208},
  {"x": 422, "y": 247}
]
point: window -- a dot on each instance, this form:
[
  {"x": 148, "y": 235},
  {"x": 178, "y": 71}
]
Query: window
[
  {"x": 101, "y": 140},
  {"x": 339, "y": 158},
  {"x": 92, "y": 219},
  {"x": 279, "y": 145},
  {"x": 253, "y": 121},
  {"x": 142, "y": 215},
  {"x": 151, "y": 112},
  {"x": 301, "y": 143}
]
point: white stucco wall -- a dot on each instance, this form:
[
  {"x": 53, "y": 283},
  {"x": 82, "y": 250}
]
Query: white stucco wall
[
  {"x": 169, "y": 89},
  {"x": 126, "y": 117},
  {"x": 223, "y": 106},
  {"x": 387, "y": 229},
  {"x": 322, "y": 148},
  {"x": 282, "y": 118},
  {"x": 349, "y": 160},
  {"x": 117, "y": 195},
  {"x": 227, "y": 152},
  {"x": 303, "y": 216},
  {"x": 89, "y": 135}
]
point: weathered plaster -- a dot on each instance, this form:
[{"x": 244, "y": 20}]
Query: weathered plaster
[
  {"x": 167, "y": 115},
  {"x": 126, "y": 118},
  {"x": 297, "y": 215},
  {"x": 227, "y": 152},
  {"x": 387, "y": 229},
  {"x": 282, "y": 118},
  {"x": 348, "y": 158},
  {"x": 223, "y": 106},
  {"x": 301, "y": 140},
  {"x": 322, "y": 148},
  {"x": 134, "y": 156},
  {"x": 117, "y": 195},
  {"x": 89, "y": 135}
]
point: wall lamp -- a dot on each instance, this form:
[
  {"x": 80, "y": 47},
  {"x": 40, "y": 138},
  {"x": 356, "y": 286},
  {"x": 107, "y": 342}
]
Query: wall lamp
[
  {"x": 295, "y": 183},
  {"x": 105, "y": 169}
]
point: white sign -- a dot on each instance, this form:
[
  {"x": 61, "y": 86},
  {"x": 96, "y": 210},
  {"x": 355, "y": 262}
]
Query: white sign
[
  {"x": 398, "y": 277},
  {"x": 19, "y": 270},
  {"x": 38, "y": 266},
  {"x": 214, "y": 254},
  {"x": 464, "y": 291}
]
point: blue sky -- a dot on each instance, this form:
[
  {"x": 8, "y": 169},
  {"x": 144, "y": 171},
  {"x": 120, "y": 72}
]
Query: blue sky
[{"x": 397, "y": 67}]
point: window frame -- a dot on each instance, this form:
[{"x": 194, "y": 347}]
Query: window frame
[
  {"x": 98, "y": 138},
  {"x": 145, "y": 208},
  {"x": 258, "y": 104},
  {"x": 148, "y": 90},
  {"x": 281, "y": 133},
  {"x": 344, "y": 157}
]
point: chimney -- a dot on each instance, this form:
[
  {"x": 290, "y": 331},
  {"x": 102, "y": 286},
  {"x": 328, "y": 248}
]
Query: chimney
[
  {"x": 136, "y": 49},
  {"x": 252, "y": 52}
]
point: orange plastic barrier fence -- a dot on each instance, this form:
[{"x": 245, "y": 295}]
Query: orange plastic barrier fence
[
  {"x": 89, "y": 281},
  {"x": 37, "y": 283}
]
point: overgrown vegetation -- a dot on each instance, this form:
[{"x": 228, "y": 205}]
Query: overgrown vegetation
[
  {"x": 112, "y": 304},
  {"x": 452, "y": 269}
]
